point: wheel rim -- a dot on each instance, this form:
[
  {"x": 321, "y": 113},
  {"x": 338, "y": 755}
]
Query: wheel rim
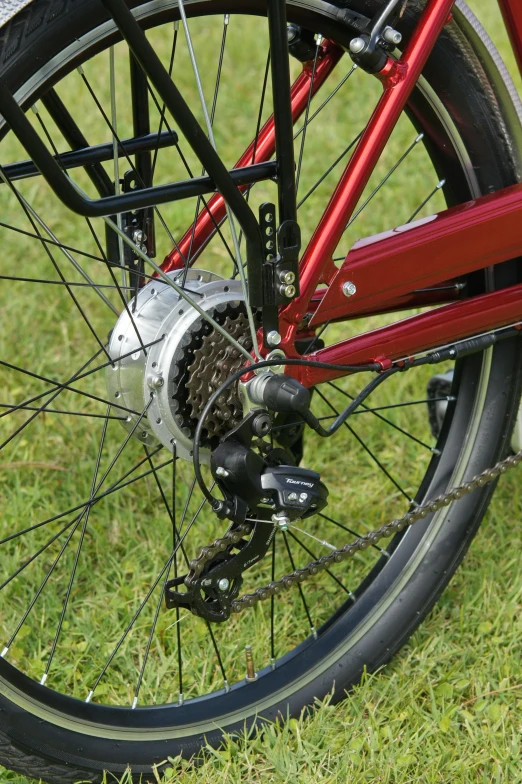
[{"x": 27, "y": 688}]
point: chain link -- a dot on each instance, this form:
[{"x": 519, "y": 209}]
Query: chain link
[{"x": 348, "y": 550}]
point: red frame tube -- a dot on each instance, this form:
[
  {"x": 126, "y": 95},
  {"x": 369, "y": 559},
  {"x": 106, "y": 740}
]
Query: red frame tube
[{"x": 385, "y": 268}]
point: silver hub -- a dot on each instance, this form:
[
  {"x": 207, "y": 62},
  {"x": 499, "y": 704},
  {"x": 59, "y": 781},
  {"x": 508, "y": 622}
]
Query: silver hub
[{"x": 156, "y": 380}]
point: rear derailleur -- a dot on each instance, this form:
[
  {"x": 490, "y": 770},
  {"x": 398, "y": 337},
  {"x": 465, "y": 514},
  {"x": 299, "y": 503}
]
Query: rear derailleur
[{"x": 262, "y": 494}]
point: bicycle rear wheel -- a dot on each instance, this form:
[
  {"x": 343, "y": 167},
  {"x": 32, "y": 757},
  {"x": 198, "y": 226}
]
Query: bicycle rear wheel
[{"x": 85, "y": 559}]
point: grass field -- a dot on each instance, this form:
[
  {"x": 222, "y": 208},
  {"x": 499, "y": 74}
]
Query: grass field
[{"x": 448, "y": 708}]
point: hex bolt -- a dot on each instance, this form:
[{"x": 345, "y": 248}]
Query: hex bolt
[
  {"x": 292, "y": 496},
  {"x": 223, "y": 584},
  {"x": 357, "y": 45},
  {"x": 303, "y": 497},
  {"x": 138, "y": 236},
  {"x": 349, "y": 288},
  {"x": 273, "y": 338},
  {"x": 289, "y": 291},
  {"x": 392, "y": 36},
  {"x": 287, "y": 276},
  {"x": 220, "y": 471},
  {"x": 155, "y": 382}
]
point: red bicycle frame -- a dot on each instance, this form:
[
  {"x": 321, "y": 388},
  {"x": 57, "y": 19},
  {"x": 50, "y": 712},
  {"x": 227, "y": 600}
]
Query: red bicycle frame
[{"x": 385, "y": 270}]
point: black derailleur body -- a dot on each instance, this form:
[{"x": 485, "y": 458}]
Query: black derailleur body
[{"x": 258, "y": 491}]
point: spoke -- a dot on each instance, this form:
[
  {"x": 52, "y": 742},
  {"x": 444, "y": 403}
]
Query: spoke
[
  {"x": 174, "y": 532},
  {"x": 218, "y": 654},
  {"x": 446, "y": 398},
  {"x": 18, "y": 407},
  {"x": 47, "y": 241},
  {"x": 438, "y": 186},
  {"x": 388, "y": 421},
  {"x": 351, "y": 532},
  {"x": 212, "y": 116},
  {"x": 118, "y": 485},
  {"x": 39, "y": 591},
  {"x": 385, "y": 179},
  {"x": 67, "y": 385},
  {"x": 322, "y": 542},
  {"x": 57, "y": 282},
  {"x": 170, "y": 512},
  {"x": 35, "y": 555},
  {"x": 149, "y": 641},
  {"x": 317, "y": 337},
  {"x": 369, "y": 452},
  {"x": 299, "y": 586},
  {"x": 328, "y": 571},
  {"x": 122, "y": 147},
  {"x": 136, "y": 615},
  {"x": 307, "y": 113},
  {"x": 85, "y": 515},
  {"x": 327, "y": 100},
  {"x": 231, "y": 221},
  {"x": 163, "y": 109},
  {"x": 272, "y": 610},
  {"x": 34, "y": 218},
  {"x": 330, "y": 169},
  {"x": 116, "y": 158}
]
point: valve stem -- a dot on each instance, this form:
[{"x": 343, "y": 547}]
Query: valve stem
[{"x": 251, "y": 674}]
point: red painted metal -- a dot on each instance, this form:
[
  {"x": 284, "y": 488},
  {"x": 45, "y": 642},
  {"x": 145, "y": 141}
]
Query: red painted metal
[
  {"x": 417, "y": 333},
  {"x": 399, "y": 82},
  {"x": 474, "y": 235},
  {"x": 195, "y": 239},
  {"x": 512, "y": 13}
]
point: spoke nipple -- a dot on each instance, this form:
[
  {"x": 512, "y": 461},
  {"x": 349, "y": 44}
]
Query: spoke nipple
[
  {"x": 80, "y": 70},
  {"x": 441, "y": 184},
  {"x": 134, "y": 702},
  {"x": 34, "y": 107},
  {"x": 251, "y": 674},
  {"x": 419, "y": 138},
  {"x": 435, "y": 451},
  {"x": 44, "y": 678},
  {"x": 4, "y": 652},
  {"x": 227, "y": 686},
  {"x": 89, "y": 696},
  {"x": 227, "y": 19},
  {"x": 349, "y": 288},
  {"x": 314, "y": 632},
  {"x": 181, "y": 698},
  {"x": 272, "y": 664}
]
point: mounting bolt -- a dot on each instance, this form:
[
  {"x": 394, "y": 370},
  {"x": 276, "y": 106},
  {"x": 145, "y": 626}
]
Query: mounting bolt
[
  {"x": 273, "y": 338},
  {"x": 138, "y": 236},
  {"x": 303, "y": 497},
  {"x": 292, "y": 496},
  {"x": 223, "y": 584},
  {"x": 287, "y": 277},
  {"x": 357, "y": 45},
  {"x": 349, "y": 288},
  {"x": 288, "y": 291},
  {"x": 155, "y": 382},
  {"x": 392, "y": 36},
  {"x": 220, "y": 471},
  {"x": 281, "y": 520}
]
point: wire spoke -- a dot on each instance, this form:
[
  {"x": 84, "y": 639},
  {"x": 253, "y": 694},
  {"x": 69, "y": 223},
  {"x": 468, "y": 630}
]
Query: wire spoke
[
  {"x": 385, "y": 179},
  {"x": 330, "y": 169},
  {"x": 326, "y": 101},
  {"x": 85, "y": 515},
  {"x": 299, "y": 586},
  {"x": 369, "y": 452},
  {"x": 388, "y": 421},
  {"x": 350, "y": 531},
  {"x": 328, "y": 571},
  {"x": 432, "y": 193},
  {"x": 307, "y": 113}
]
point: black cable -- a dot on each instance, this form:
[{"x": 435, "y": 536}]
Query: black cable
[{"x": 215, "y": 503}]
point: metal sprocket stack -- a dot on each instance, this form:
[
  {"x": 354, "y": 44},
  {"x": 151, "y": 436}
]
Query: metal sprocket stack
[{"x": 215, "y": 360}]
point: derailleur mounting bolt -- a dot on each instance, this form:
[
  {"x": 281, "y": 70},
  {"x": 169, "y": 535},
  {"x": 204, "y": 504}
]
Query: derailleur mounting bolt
[
  {"x": 281, "y": 520},
  {"x": 273, "y": 338},
  {"x": 220, "y": 471},
  {"x": 292, "y": 496},
  {"x": 223, "y": 584},
  {"x": 303, "y": 497}
]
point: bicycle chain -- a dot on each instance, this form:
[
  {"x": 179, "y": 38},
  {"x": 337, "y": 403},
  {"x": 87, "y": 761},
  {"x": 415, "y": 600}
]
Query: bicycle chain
[{"x": 348, "y": 550}]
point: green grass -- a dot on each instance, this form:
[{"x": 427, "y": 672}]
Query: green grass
[{"x": 448, "y": 708}]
